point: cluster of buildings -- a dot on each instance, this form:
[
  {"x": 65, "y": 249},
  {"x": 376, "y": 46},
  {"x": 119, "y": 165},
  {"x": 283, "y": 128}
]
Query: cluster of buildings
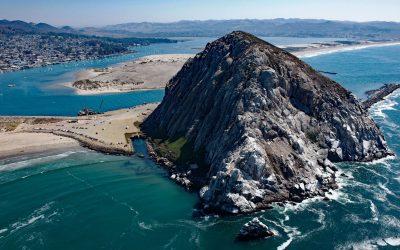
[{"x": 22, "y": 51}]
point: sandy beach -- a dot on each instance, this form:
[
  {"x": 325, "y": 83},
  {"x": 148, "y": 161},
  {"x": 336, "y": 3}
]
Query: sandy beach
[
  {"x": 153, "y": 72},
  {"x": 110, "y": 132},
  {"x": 319, "y": 49},
  {"x": 14, "y": 144},
  {"x": 150, "y": 72}
]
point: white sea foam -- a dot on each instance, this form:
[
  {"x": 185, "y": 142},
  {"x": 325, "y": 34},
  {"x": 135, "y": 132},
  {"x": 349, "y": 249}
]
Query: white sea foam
[
  {"x": 195, "y": 238},
  {"x": 292, "y": 233},
  {"x": 145, "y": 226},
  {"x": 26, "y": 163},
  {"x": 170, "y": 242},
  {"x": 388, "y": 103},
  {"x": 374, "y": 211},
  {"x": 285, "y": 244},
  {"x": 360, "y": 245},
  {"x": 202, "y": 225},
  {"x": 386, "y": 189},
  {"x": 21, "y": 224},
  {"x": 371, "y": 244},
  {"x": 393, "y": 241},
  {"x": 37, "y": 215},
  {"x": 321, "y": 220},
  {"x": 365, "y": 245},
  {"x": 381, "y": 243},
  {"x": 383, "y": 161},
  {"x": 390, "y": 221}
]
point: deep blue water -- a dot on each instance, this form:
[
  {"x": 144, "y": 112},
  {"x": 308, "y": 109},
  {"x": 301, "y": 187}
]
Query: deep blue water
[
  {"x": 86, "y": 200},
  {"x": 361, "y": 70}
]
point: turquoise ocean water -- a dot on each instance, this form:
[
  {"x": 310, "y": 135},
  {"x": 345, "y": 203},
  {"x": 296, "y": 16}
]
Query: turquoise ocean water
[
  {"x": 40, "y": 91},
  {"x": 81, "y": 199}
]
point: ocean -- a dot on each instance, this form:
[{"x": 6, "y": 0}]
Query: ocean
[{"x": 86, "y": 200}]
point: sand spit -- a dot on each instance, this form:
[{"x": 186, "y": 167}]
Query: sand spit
[
  {"x": 153, "y": 72},
  {"x": 150, "y": 72},
  {"x": 107, "y": 133},
  {"x": 14, "y": 144},
  {"x": 321, "y": 49}
]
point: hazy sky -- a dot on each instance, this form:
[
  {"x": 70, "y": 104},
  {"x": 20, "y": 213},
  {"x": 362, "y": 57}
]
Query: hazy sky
[{"x": 103, "y": 12}]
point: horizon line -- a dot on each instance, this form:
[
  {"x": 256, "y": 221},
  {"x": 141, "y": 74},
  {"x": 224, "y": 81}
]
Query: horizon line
[{"x": 206, "y": 20}]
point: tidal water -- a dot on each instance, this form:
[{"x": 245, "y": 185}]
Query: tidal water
[
  {"x": 40, "y": 91},
  {"x": 85, "y": 200}
]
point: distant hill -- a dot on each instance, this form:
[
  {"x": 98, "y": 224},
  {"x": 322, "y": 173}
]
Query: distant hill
[
  {"x": 270, "y": 27},
  {"x": 21, "y": 27},
  {"x": 26, "y": 45}
]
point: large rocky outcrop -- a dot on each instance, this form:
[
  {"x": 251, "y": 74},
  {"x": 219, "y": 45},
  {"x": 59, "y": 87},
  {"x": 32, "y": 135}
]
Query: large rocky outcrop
[{"x": 264, "y": 125}]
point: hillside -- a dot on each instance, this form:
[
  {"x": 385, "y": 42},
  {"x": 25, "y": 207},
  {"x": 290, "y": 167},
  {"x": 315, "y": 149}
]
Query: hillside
[
  {"x": 268, "y": 27},
  {"x": 249, "y": 124}
]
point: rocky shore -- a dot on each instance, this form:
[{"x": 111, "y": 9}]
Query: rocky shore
[
  {"x": 378, "y": 95},
  {"x": 248, "y": 124}
]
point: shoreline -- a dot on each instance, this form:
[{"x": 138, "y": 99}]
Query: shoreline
[
  {"x": 317, "y": 51},
  {"x": 145, "y": 73},
  {"x": 94, "y": 141},
  {"x": 101, "y": 92},
  {"x": 66, "y": 62},
  {"x": 25, "y": 143},
  {"x": 311, "y": 50},
  {"x": 108, "y": 133}
]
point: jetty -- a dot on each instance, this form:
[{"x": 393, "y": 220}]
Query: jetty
[
  {"x": 110, "y": 132},
  {"x": 379, "y": 94}
]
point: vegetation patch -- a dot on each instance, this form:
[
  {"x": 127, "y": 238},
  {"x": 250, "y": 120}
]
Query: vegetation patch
[
  {"x": 8, "y": 126},
  {"x": 137, "y": 124},
  {"x": 177, "y": 149}
]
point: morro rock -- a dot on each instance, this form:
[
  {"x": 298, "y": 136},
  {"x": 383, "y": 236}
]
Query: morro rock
[{"x": 249, "y": 124}]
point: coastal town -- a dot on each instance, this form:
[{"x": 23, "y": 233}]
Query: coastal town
[{"x": 23, "y": 51}]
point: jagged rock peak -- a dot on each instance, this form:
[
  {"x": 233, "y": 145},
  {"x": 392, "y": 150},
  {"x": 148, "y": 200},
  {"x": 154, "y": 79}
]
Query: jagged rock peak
[{"x": 261, "y": 125}]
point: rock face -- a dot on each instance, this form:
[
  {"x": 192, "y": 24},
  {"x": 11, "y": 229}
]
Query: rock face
[
  {"x": 254, "y": 230},
  {"x": 265, "y": 125}
]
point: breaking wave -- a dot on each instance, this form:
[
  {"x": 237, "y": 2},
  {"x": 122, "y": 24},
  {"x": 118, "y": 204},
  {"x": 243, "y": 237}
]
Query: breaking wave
[
  {"x": 34, "y": 161},
  {"x": 42, "y": 214},
  {"x": 389, "y": 103}
]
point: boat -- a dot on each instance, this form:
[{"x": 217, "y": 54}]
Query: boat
[
  {"x": 11, "y": 85},
  {"x": 87, "y": 111}
]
